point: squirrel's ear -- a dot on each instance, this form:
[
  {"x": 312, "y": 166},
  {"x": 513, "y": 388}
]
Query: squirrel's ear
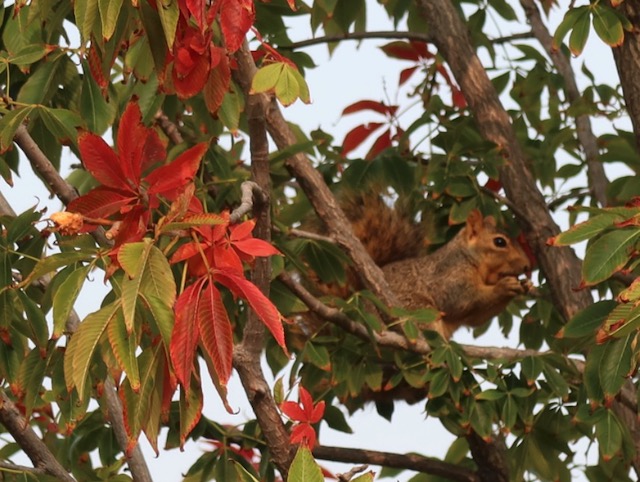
[{"x": 475, "y": 223}]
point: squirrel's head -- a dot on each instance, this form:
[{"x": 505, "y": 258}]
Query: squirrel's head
[{"x": 497, "y": 254}]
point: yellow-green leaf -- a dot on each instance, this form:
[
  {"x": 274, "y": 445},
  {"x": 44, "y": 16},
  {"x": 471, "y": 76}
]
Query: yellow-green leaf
[
  {"x": 109, "y": 11},
  {"x": 304, "y": 468},
  {"x": 65, "y": 297},
  {"x": 83, "y": 345},
  {"x": 608, "y": 254},
  {"x": 124, "y": 344},
  {"x": 86, "y": 13},
  {"x": 169, "y": 14}
]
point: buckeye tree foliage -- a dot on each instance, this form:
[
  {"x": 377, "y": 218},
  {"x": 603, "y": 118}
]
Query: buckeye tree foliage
[{"x": 215, "y": 226}]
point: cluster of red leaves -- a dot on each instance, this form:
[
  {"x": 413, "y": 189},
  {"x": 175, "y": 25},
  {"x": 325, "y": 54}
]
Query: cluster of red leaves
[
  {"x": 418, "y": 53},
  {"x": 126, "y": 195},
  {"x": 215, "y": 256},
  {"x": 356, "y": 136},
  {"x": 304, "y": 414}
]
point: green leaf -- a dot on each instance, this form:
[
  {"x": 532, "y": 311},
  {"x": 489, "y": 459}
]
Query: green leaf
[
  {"x": 568, "y": 23},
  {"x": 580, "y": 33},
  {"x": 30, "y": 54},
  {"x": 38, "y": 331},
  {"x": 532, "y": 367},
  {"x": 64, "y": 298},
  {"x": 162, "y": 315},
  {"x": 491, "y": 394},
  {"x": 266, "y": 78},
  {"x": 43, "y": 83},
  {"x": 304, "y": 468},
  {"x": 616, "y": 364},
  {"x": 83, "y": 345},
  {"x": 95, "y": 110},
  {"x": 86, "y": 13},
  {"x": 608, "y": 254},
  {"x": 586, "y": 230},
  {"x": 62, "y": 123},
  {"x": 124, "y": 344},
  {"x": 109, "y": 11},
  {"x": 169, "y": 15},
  {"x": 587, "y": 321},
  {"x": 609, "y": 435},
  {"x": 55, "y": 261},
  {"x": 503, "y": 8},
  {"x": 607, "y": 25},
  {"x": 133, "y": 258},
  {"x": 9, "y": 125}
]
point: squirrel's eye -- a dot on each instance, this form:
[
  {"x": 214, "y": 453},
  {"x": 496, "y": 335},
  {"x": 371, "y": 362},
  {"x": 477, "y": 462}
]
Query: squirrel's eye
[{"x": 500, "y": 242}]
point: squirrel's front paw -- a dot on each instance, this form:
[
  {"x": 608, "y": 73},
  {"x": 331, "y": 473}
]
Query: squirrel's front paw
[{"x": 511, "y": 286}]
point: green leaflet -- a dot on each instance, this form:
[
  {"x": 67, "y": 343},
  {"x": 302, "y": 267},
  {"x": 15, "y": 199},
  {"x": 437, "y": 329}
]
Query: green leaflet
[
  {"x": 83, "y": 344},
  {"x": 304, "y": 468}
]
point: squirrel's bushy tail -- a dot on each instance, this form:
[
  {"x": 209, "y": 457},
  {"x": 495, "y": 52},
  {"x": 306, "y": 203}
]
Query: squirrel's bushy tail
[{"x": 386, "y": 232}]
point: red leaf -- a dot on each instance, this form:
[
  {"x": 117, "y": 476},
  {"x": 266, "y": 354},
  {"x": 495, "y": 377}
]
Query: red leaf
[
  {"x": 219, "y": 80},
  {"x": 216, "y": 332},
  {"x": 400, "y": 49},
  {"x": 262, "y": 306},
  {"x": 226, "y": 259},
  {"x": 186, "y": 251},
  {"x": 406, "y": 74},
  {"x": 101, "y": 202},
  {"x": 255, "y": 247},
  {"x": 303, "y": 434},
  {"x": 175, "y": 175},
  {"x": 373, "y": 105},
  {"x": 197, "y": 8},
  {"x": 184, "y": 338},
  {"x": 153, "y": 151},
  {"x": 100, "y": 160},
  {"x": 130, "y": 142},
  {"x": 293, "y": 411},
  {"x": 357, "y": 136},
  {"x": 380, "y": 144},
  {"x": 95, "y": 67},
  {"x": 133, "y": 227},
  {"x": 458, "y": 98},
  {"x": 236, "y": 18}
]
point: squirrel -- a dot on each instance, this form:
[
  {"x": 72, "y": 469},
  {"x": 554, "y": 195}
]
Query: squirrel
[{"x": 469, "y": 280}]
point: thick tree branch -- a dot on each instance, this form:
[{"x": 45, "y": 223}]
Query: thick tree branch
[
  {"x": 29, "y": 441},
  {"x": 595, "y": 170},
  {"x": 627, "y": 58},
  {"x": 417, "y": 463},
  {"x": 560, "y": 265},
  {"x": 391, "y": 339},
  {"x": 248, "y": 353},
  {"x": 311, "y": 182}
]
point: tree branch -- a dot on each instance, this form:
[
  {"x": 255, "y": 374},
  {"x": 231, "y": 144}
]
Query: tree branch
[
  {"x": 414, "y": 462},
  {"x": 29, "y": 441},
  {"x": 247, "y": 355},
  {"x": 598, "y": 181},
  {"x": 252, "y": 197},
  {"x": 391, "y": 339},
  {"x": 316, "y": 190}
]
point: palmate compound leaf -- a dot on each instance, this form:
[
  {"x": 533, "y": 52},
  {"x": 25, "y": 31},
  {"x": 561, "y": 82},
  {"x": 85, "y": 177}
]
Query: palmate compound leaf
[
  {"x": 282, "y": 79},
  {"x": 81, "y": 348}
]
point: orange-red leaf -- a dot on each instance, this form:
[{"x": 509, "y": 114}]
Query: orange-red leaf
[
  {"x": 100, "y": 202},
  {"x": 406, "y": 74},
  {"x": 236, "y": 18},
  {"x": 215, "y": 331},
  {"x": 262, "y": 306},
  {"x": 358, "y": 135},
  {"x": 175, "y": 175},
  {"x": 100, "y": 160},
  {"x": 219, "y": 80},
  {"x": 184, "y": 338},
  {"x": 130, "y": 142}
]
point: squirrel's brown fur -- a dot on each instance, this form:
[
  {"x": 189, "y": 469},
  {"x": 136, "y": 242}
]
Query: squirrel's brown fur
[{"x": 470, "y": 279}]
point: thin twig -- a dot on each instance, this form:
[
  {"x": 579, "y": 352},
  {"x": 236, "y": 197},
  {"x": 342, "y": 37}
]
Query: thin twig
[{"x": 347, "y": 476}]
